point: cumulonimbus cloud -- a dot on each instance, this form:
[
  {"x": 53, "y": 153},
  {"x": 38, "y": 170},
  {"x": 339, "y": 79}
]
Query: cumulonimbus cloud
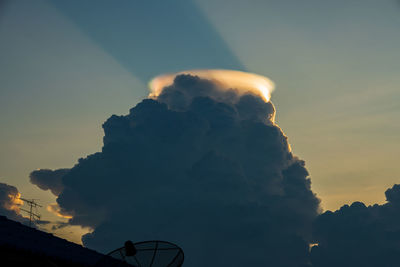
[
  {"x": 47, "y": 179},
  {"x": 202, "y": 167}
]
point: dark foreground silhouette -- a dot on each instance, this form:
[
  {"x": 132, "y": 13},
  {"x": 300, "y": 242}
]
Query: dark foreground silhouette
[{"x": 21, "y": 245}]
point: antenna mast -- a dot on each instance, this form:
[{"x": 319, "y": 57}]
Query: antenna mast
[{"x": 32, "y": 215}]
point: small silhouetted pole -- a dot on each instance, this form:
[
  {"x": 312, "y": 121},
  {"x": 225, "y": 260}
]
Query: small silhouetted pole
[{"x": 32, "y": 215}]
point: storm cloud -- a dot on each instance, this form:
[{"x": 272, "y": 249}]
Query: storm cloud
[
  {"x": 47, "y": 179},
  {"x": 358, "y": 235},
  {"x": 204, "y": 168}
]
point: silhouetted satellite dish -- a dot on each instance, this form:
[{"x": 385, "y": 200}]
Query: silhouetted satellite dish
[
  {"x": 130, "y": 249},
  {"x": 145, "y": 254}
]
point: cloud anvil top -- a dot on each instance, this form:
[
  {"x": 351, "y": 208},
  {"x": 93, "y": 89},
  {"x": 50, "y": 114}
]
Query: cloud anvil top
[{"x": 242, "y": 82}]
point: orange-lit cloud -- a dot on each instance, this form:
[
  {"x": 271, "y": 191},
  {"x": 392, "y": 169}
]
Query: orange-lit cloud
[
  {"x": 14, "y": 202},
  {"x": 11, "y": 202},
  {"x": 243, "y": 82},
  {"x": 55, "y": 209}
]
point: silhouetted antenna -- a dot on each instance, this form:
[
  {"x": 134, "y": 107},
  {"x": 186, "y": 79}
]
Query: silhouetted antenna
[{"x": 32, "y": 215}]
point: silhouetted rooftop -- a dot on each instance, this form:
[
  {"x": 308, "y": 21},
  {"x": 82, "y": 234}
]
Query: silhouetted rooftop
[{"x": 23, "y": 244}]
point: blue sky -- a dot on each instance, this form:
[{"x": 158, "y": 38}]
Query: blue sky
[{"x": 67, "y": 66}]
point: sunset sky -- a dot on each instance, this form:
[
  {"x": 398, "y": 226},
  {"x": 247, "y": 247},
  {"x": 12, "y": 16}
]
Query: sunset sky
[{"x": 67, "y": 66}]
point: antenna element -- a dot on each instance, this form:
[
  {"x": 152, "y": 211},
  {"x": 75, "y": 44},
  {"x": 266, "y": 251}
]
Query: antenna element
[{"x": 32, "y": 215}]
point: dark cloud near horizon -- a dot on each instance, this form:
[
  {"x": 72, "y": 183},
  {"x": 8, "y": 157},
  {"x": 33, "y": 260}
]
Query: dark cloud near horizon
[
  {"x": 141, "y": 35},
  {"x": 358, "y": 235},
  {"x": 203, "y": 172},
  {"x": 9, "y": 205},
  {"x": 47, "y": 179}
]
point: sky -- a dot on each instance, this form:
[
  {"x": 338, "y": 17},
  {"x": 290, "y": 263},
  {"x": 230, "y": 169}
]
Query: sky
[{"x": 68, "y": 66}]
